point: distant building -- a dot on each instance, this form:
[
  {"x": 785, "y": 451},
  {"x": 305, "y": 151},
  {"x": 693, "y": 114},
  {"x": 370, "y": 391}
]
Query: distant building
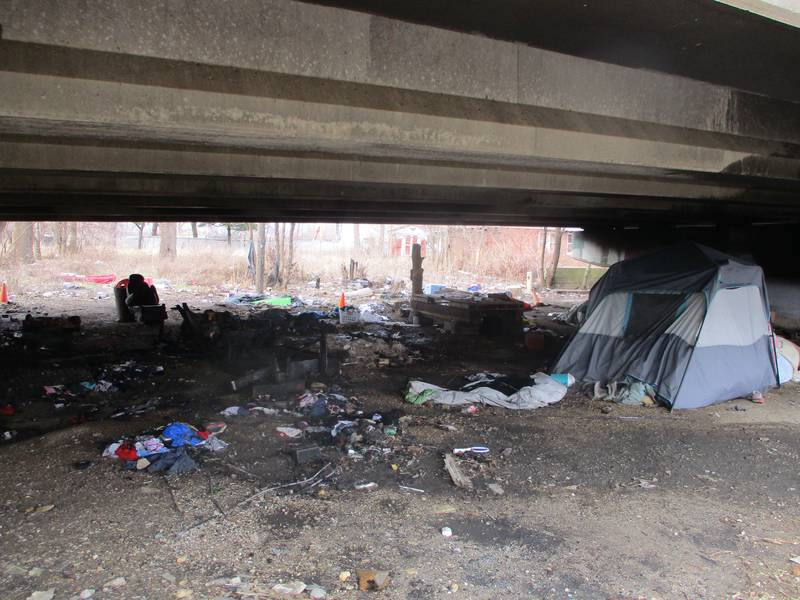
[{"x": 401, "y": 239}]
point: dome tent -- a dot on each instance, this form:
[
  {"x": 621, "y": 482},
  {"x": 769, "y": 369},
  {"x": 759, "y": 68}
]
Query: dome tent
[{"x": 687, "y": 320}]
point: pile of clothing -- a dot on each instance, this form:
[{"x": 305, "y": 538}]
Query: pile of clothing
[
  {"x": 166, "y": 450},
  {"x": 321, "y": 404}
]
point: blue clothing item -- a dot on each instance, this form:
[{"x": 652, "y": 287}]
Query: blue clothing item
[
  {"x": 174, "y": 462},
  {"x": 181, "y": 434}
]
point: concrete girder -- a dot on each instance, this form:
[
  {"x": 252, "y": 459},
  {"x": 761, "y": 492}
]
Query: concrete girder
[
  {"x": 282, "y": 36},
  {"x": 386, "y": 104}
]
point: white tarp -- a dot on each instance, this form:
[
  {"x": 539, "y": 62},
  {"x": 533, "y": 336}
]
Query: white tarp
[{"x": 545, "y": 390}]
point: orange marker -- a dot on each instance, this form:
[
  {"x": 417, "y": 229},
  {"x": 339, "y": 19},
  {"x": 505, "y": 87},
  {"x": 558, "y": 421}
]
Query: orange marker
[
  {"x": 342, "y": 302},
  {"x": 3, "y": 293}
]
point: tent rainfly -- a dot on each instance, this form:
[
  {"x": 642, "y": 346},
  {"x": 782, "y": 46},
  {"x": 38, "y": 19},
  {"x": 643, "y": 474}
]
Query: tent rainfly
[{"x": 687, "y": 320}]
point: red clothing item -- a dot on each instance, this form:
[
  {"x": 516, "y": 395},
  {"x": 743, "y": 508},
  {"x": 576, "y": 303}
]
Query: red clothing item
[{"x": 127, "y": 451}]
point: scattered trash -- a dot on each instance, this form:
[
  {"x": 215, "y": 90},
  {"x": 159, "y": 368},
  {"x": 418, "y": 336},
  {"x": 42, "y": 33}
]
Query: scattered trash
[
  {"x": 496, "y": 489},
  {"x": 288, "y": 590},
  {"x": 276, "y": 301},
  {"x": 630, "y": 393},
  {"x": 316, "y": 592},
  {"x": 344, "y": 576},
  {"x": 471, "y": 450},
  {"x": 248, "y": 411},
  {"x": 365, "y": 486},
  {"x": 115, "y": 583},
  {"x": 40, "y": 509},
  {"x": 372, "y": 580},
  {"x": 101, "y": 279},
  {"x": 305, "y": 455},
  {"x": 289, "y": 432},
  {"x": 564, "y": 379},
  {"x": 46, "y": 595},
  {"x": 447, "y": 532},
  {"x": 455, "y": 472},
  {"x": 411, "y": 489},
  {"x": 757, "y": 397},
  {"x": 349, "y": 315}
]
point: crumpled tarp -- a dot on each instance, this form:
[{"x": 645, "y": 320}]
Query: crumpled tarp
[
  {"x": 544, "y": 391},
  {"x": 174, "y": 462}
]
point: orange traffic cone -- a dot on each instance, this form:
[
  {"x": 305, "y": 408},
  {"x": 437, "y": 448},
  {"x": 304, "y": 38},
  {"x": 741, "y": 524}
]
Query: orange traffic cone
[
  {"x": 3, "y": 293},
  {"x": 342, "y": 302}
]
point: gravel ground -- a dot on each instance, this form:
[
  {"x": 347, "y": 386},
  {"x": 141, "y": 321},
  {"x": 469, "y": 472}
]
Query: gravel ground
[{"x": 636, "y": 503}]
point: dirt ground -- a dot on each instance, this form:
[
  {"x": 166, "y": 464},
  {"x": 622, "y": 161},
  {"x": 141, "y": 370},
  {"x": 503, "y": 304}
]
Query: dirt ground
[{"x": 637, "y": 502}]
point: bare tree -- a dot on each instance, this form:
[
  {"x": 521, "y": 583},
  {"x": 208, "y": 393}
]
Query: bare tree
[
  {"x": 479, "y": 248},
  {"x": 542, "y": 250},
  {"x": 73, "y": 243},
  {"x": 551, "y": 275},
  {"x": 61, "y": 238},
  {"x": 277, "y": 266},
  {"x": 3, "y": 228},
  {"x": 289, "y": 256},
  {"x": 261, "y": 249},
  {"x": 22, "y": 242},
  {"x": 37, "y": 243},
  {"x": 194, "y": 229},
  {"x": 382, "y": 240},
  {"x": 356, "y": 237},
  {"x": 168, "y": 246},
  {"x": 140, "y": 227},
  {"x": 154, "y": 229}
]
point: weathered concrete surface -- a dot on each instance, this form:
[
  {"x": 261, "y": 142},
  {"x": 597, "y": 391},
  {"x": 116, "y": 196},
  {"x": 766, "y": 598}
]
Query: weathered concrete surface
[
  {"x": 702, "y": 40},
  {"x": 288, "y": 37},
  {"x": 282, "y": 91}
]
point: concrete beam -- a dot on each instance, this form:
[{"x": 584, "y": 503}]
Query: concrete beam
[
  {"x": 293, "y": 38},
  {"x": 172, "y": 92}
]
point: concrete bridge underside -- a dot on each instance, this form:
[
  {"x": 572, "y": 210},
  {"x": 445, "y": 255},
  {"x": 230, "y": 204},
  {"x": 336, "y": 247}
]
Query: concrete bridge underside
[{"x": 280, "y": 110}]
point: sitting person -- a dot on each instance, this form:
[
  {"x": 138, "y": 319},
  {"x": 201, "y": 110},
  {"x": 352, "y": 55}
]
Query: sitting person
[{"x": 139, "y": 293}]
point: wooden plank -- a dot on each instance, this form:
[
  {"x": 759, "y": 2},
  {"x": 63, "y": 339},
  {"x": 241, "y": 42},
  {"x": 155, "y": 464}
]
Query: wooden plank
[{"x": 456, "y": 474}]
